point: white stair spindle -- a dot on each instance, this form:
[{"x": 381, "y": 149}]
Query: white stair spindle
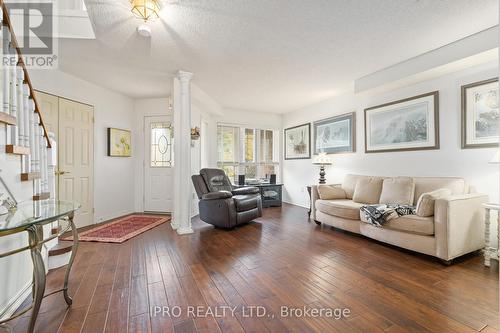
[
  {"x": 5, "y": 74},
  {"x": 27, "y": 125},
  {"x": 43, "y": 163},
  {"x": 37, "y": 151},
  {"x": 32, "y": 135},
  {"x": 20, "y": 105},
  {"x": 14, "y": 130},
  {"x": 51, "y": 163}
]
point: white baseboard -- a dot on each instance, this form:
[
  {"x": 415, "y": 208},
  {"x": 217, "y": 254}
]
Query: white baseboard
[
  {"x": 296, "y": 204},
  {"x": 16, "y": 301}
]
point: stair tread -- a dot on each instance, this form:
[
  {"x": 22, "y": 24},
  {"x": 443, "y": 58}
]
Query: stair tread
[
  {"x": 41, "y": 196},
  {"x": 60, "y": 248},
  {"x": 30, "y": 176},
  {"x": 18, "y": 150},
  {"x": 7, "y": 119}
]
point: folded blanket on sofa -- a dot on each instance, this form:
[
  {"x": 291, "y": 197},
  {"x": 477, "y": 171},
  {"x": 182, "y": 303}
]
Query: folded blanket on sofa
[{"x": 378, "y": 215}]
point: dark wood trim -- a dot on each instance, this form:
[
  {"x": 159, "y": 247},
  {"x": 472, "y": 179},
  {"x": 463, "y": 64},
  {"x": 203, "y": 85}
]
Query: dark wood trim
[
  {"x": 353, "y": 132},
  {"x": 60, "y": 248},
  {"x": 7, "y": 119},
  {"x": 30, "y": 176},
  {"x": 41, "y": 196},
  {"x": 284, "y": 142},
  {"x": 436, "y": 124},
  {"x": 463, "y": 100},
  {"x": 17, "y": 150}
]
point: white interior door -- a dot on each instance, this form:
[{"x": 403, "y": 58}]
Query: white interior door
[
  {"x": 76, "y": 158},
  {"x": 158, "y": 164}
]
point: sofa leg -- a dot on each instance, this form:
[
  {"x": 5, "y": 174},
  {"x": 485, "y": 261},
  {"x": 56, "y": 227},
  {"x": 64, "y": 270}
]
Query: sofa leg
[
  {"x": 446, "y": 262},
  {"x": 317, "y": 222}
]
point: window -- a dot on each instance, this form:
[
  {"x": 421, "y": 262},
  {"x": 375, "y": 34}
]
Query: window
[
  {"x": 247, "y": 151},
  {"x": 161, "y": 145}
]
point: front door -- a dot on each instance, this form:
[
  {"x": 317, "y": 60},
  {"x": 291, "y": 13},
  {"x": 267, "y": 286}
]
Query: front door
[
  {"x": 76, "y": 154},
  {"x": 158, "y": 164}
]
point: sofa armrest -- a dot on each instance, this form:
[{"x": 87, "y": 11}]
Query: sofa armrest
[
  {"x": 315, "y": 196},
  {"x": 459, "y": 224},
  {"x": 216, "y": 195},
  {"x": 245, "y": 190}
]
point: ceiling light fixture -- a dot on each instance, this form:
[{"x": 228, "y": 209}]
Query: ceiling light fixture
[{"x": 146, "y": 9}]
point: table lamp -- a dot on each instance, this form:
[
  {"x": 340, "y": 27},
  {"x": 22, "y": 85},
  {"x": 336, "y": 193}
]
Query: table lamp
[{"x": 322, "y": 159}]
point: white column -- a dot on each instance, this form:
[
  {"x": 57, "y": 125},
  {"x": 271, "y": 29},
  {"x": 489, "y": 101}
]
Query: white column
[
  {"x": 36, "y": 156},
  {"x": 27, "y": 125},
  {"x": 182, "y": 151},
  {"x": 14, "y": 130}
]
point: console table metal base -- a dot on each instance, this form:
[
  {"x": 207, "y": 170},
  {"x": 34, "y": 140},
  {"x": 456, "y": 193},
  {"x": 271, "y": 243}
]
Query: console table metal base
[{"x": 35, "y": 243}]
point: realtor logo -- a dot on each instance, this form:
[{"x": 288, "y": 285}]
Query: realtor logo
[{"x": 33, "y": 24}]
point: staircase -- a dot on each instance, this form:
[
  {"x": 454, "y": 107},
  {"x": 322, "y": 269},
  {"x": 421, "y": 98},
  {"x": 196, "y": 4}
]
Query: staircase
[{"x": 27, "y": 137}]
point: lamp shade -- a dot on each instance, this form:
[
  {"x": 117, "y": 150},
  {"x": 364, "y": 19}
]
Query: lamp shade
[
  {"x": 496, "y": 158},
  {"x": 146, "y": 9},
  {"x": 322, "y": 159}
]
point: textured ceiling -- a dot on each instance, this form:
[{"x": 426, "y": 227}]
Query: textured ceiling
[{"x": 274, "y": 55}]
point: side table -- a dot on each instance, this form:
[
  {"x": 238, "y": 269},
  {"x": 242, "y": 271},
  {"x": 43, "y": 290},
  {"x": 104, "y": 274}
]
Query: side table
[{"x": 490, "y": 252}]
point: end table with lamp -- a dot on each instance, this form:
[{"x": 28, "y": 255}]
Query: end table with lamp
[{"x": 321, "y": 159}]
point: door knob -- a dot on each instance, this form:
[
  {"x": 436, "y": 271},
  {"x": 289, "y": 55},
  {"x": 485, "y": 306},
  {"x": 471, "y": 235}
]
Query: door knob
[{"x": 60, "y": 173}]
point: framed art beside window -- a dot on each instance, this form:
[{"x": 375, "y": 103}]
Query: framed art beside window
[
  {"x": 403, "y": 125},
  {"x": 298, "y": 142},
  {"x": 480, "y": 114},
  {"x": 335, "y": 135},
  {"x": 119, "y": 142}
]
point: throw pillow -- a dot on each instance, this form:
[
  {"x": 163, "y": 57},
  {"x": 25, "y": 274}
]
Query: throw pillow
[
  {"x": 398, "y": 190},
  {"x": 329, "y": 192},
  {"x": 425, "y": 204},
  {"x": 368, "y": 190}
]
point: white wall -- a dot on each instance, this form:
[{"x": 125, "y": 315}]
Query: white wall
[
  {"x": 449, "y": 160},
  {"x": 113, "y": 177}
]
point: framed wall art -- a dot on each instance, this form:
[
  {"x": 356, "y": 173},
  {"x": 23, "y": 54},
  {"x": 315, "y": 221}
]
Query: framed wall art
[
  {"x": 403, "y": 125},
  {"x": 119, "y": 142},
  {"x": 298, "y": 142},
  {"x": 480, "y": 114},
  {"x": 335, "y": 135}
]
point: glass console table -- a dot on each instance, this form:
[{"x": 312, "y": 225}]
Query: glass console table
[{"x": 30, "y": 217}]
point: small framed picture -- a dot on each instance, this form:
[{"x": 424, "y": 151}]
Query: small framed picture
[
  {"x": 298, "y": 142},
  {"x": 480, "y": 114},
  {"x": 335, "y": 135},
  {"x": 119, "y": 142},
  {"x": 403, "y": 125}
]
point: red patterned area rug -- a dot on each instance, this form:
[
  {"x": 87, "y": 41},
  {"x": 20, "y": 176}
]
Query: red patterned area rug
[{"x": 121, "y": 229}]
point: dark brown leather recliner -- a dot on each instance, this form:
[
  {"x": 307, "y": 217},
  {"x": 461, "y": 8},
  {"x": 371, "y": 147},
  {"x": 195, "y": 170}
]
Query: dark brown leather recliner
[{"x": 222, "y": 205}]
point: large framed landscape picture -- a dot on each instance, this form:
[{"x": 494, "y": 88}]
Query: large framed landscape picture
[
  {"x": 298, "y": 142},
  {"x": 403, "y": 125},
  {"x": 335, "y": 135},
  {"x": 480, "y": 114}
]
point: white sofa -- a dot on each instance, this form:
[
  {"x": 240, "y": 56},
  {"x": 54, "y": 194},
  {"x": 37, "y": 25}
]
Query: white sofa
[{"x": 457, "y": 227}]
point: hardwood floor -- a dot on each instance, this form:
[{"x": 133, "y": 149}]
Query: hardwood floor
[{"x": 283, "y": 260}]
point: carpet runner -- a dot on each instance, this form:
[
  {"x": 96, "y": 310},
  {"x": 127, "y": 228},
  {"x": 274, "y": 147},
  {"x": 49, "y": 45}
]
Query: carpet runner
[{"x": 121, "y": 229}]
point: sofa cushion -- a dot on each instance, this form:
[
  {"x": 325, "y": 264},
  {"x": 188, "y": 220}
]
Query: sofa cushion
[
  {"x": 425, "y": 204},
  {"x": 397, "y": 190},
  {"x": 331, "y": 192},
  {"x": 409, "y": 223},
  {"x": 347, "y": 209},
  {"x": 349, "y": 184},
  {"x": 429, "y": 184},
  {"x": 368, "y": 190},
  {"x": 246, "y": 202}
]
